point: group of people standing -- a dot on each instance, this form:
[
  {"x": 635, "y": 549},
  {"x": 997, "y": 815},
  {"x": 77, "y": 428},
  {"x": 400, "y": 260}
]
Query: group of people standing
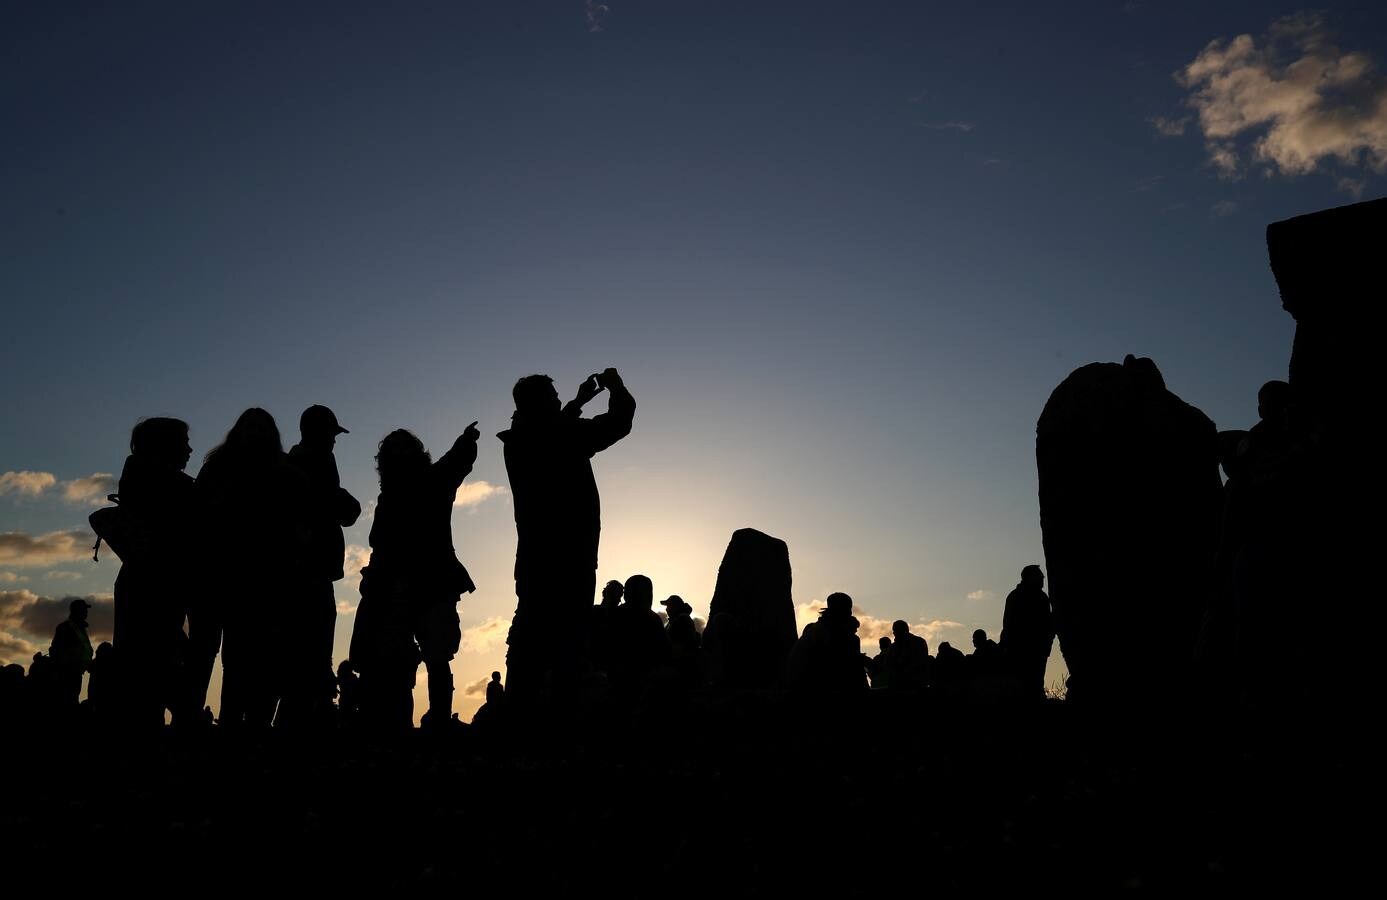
[{"x": 281, "y": 515}]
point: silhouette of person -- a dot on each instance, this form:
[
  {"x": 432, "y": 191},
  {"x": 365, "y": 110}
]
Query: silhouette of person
[
  {"x": 639, "y": 645},
  {"x": 983, "y": 662},
  {"x": 71, "y": 653},
  {"x": 348, "y": 693},
  {"x": 101, "y": 686},
  {"x": 313, "y": 618},
  {"x": 600, "y": 636},
  {"x": 950, "y": 666},
  {"x": 548, "y": 454},
  {"x": 910, "y": 659},
  {"x": 828, "y": 655},
  {"x": 254, "y": 499},
  {"x": 879, "y": 666},
  {"x": 495, "y": 691},
  {"x": 1028, "y": 631},
  {"x": 156, "y": 573},
  {"x": 684, "y": 641},
  {"x": 410, "y": 589}
]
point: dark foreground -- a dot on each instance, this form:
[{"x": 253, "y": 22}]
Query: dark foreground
[{"x": 754, "y": 795}]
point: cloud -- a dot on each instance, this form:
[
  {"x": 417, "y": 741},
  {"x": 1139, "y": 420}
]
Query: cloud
[
  {"x": 1298, "y": 98},
  {"x": 64, "y": 576},
  {"x": 1354, "y": 187},
  {"x": 1223, "y": 209},
  {"x": 25, "y": 615},
  {"x": 476, "y": 688},
  {"x": 91, "y": 490},
  {"x": 870, "y": 628},
  {"x": 18, "y": 548},
  {"x": 476, "y": 492},
  {"x": 483, "y": 637},
  {"x": 595, "y": 14},
  {"x": 980, "y": 595},
  {"x": 12, "y": 578},
  {"x": 15, "y": 650},
  {"x": 354, "y": 560},
  {"x": 1166, "y": 127},
  {"x": 26, "y": 484},
  {"x": 951, "y": 126}
]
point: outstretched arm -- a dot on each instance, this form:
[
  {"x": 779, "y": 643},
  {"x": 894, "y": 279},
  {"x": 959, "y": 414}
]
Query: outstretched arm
[{"x": 456, "y": 464}]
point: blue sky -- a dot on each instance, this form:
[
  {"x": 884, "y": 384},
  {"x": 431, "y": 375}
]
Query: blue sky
[{"x": 841, "y": 253}]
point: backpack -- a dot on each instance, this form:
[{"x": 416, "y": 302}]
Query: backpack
[{"x": 118, "y": 528}]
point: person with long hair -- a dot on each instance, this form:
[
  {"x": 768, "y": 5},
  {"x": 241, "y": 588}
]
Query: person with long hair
[
  {"x": 410, "y": 589},
  {"x": 255, "y": 505}
]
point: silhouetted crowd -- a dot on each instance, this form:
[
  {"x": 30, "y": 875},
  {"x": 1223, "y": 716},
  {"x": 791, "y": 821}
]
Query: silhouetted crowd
[{"x": 273, "y": 623}]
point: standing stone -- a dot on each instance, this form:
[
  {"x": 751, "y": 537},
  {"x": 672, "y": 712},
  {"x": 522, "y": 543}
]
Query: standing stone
[
  {"x": 751, "y": 620},
  {"x": 1330, "y": 272},
  {"x": 1130, "y": 502}
]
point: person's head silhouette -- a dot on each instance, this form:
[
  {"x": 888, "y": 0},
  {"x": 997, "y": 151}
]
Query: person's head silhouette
[
  {"x": 318, "y": 426},
  {"x": 1274, "y": 402},
  {"x": 77, "y": 610},
  {"x": 900, "y": 629},
  {"x": 161, "y": 441},
  {"x": 640, "y": 592},
  {"x": 254, "y": 438},
  {"x": 1032, "y": 577},
  {"x": 979, "y": 639},
  {"x": 883, "y": 642},
  {"x": 611, "y": 593},
  {"x": 400, "y": 458},
  {"x": 535, "y": 396}
]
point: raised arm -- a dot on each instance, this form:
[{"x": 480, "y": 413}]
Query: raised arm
[
  {"x": 611, "y": 426},
  {"x": 455, "y": 465}
]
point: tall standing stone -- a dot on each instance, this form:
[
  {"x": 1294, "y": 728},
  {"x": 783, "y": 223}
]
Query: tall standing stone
[{"x": 1130, "y": 502}]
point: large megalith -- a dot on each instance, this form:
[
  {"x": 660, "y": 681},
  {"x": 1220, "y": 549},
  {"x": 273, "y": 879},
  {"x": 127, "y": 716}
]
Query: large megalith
[
  {"x": 751, "y": 620},
  {"x": 1130, "y": 506}
]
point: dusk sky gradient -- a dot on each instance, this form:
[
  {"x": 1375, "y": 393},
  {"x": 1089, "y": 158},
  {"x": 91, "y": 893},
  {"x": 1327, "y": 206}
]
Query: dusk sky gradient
[{"x": 840, "y": 252}]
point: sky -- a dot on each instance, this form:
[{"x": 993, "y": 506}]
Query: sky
[{"x": 841, "y": 254}]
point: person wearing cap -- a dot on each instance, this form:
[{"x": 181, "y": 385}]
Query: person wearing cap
[
  {"x": 558, "y": 522},
  {"x": 684, "y": 640},
  {"x": 828, "y": 656},
  {"x": 309, "y": 683},
  {"x": 71, "y": 653}
]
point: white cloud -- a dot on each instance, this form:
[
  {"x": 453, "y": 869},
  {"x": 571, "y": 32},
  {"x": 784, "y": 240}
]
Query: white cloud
[
  {"x": 981, "y": 595},
  {"x": 18, "y": 548},
  {"x": 1167, "y": 127},
  {"x": 12, "y": 578},
  {"x": 1300, "y": 99},
  {"x": 64, "y": 576},
  {"x": 15, "y": 649},
  {"x": 26, "y": 484},
  {"x": 473, "y": 493},
  {"x": 595, "y": 14},
  {"x": 1223, "y": 209},
  {"x": 25, "y": 615},
  {"x": 91, "y": 490},
  {"x": 1354, "y": 187},
  {"x": 870, "y": 628},
  {"x": 482, "y": 637},
  {"x": 476, "y": 688}
]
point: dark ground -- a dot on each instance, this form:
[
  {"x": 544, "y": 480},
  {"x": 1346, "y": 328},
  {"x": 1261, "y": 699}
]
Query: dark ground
[{"x": 752, "y": 795}]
